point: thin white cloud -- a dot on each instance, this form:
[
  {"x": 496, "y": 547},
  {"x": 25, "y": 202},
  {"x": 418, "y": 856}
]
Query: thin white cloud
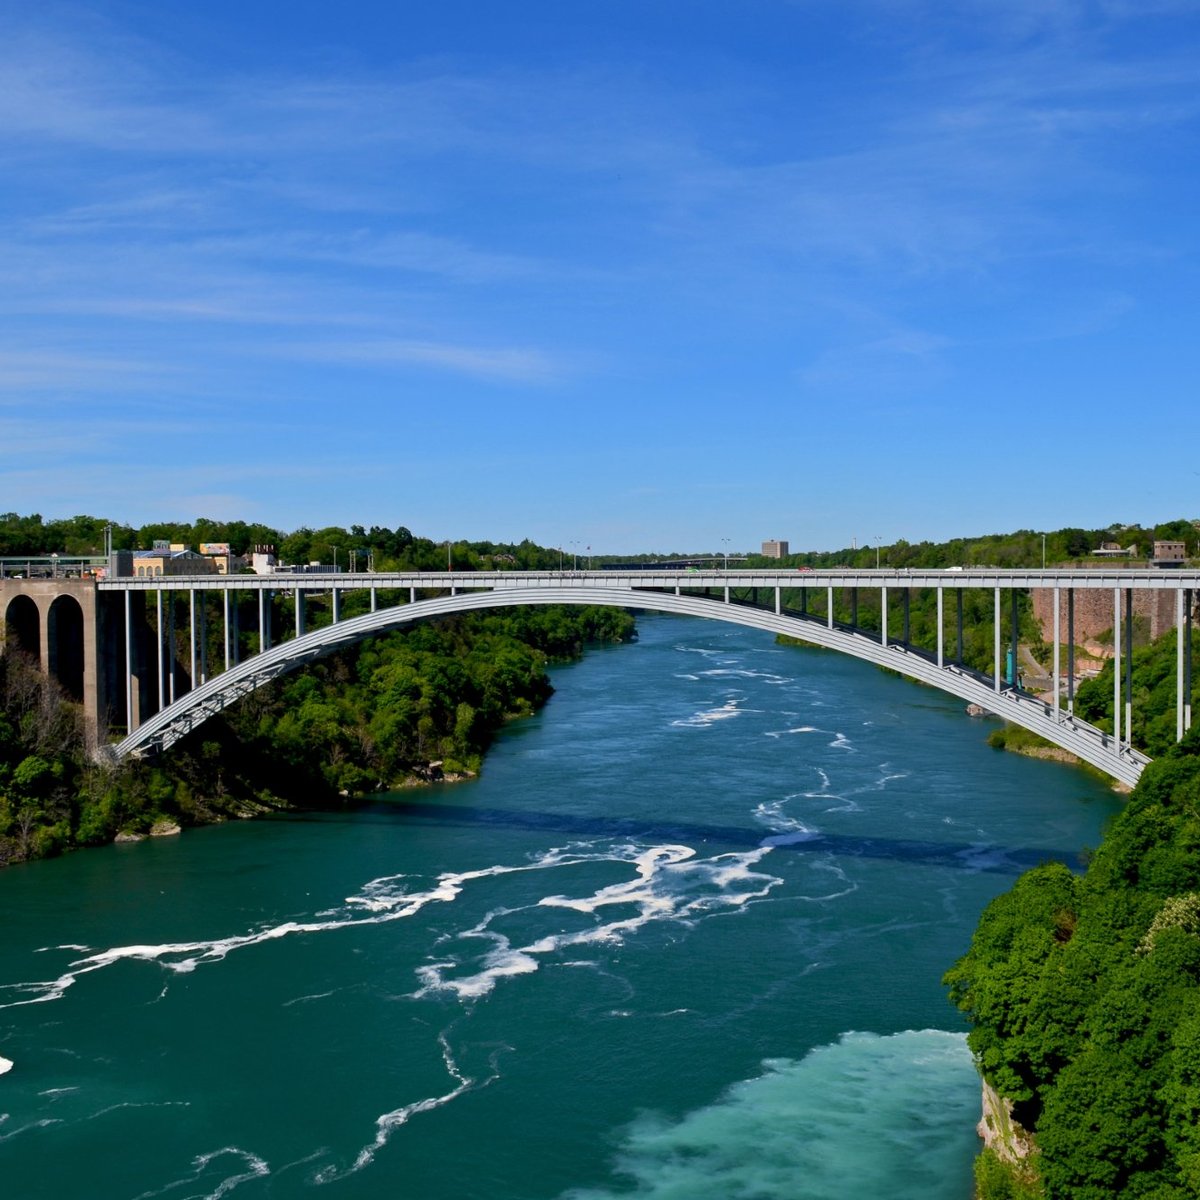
[{"x": 501, "y": 365}]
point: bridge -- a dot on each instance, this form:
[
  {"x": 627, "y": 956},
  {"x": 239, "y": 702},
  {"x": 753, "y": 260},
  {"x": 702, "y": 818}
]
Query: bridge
[{"x": 147, "y": 673}]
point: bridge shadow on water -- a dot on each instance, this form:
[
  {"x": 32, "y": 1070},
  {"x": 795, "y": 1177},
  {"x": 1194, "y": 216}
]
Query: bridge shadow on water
[{"x": 974, "y": 857}]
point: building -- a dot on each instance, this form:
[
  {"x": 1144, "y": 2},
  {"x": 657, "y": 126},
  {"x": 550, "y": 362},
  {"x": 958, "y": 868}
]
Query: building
[
  {"x": 1170, "y": 554},
  {"x": 1113, "y": 550},
  {"x": 774, "y": 549},
  {"x": 263, "y": 560},
  {"x": 171, "y": 558},
  {"x": 220, "y": 552}
]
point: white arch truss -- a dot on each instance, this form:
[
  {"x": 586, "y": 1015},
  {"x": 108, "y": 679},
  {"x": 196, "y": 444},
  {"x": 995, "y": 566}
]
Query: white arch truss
[{"x": 1093, "y": 745}]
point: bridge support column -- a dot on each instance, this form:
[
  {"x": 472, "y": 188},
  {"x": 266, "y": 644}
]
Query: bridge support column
[
  {"x": 941, "y": 616},
  {"x": 1071, "y": 652},
  {"x": 883, "y": 615},
  {"x": 1187, "y": 662},
  {"x": 225, "y": 598},
  {"x": 158, "y": 637},
  {"x": 264, "y": 634},
  {"x": 778, "y": 600},
  {"x": 829, "y": 608},
  {"x": 727, "y": 593},
  {"x": 412, "y": 595},
  {"x": 1015, "y": 681},
  {"x": 131, "y": 720},
  {"x": 854, "y": 608},
  {"x": 1129, "y": 666},
  {"x": 300, "y": 623},
  {"x": 996, "y": 639},
  {"x": 907, "y": 615},
  {"x": 1117, "y": 668},
  {"x": 1057, "y": 661},
  {"x": 192, "y": 636},
  {"x": 172, "y": 657},
  {"x": 337, "y": 605},
  {"x": 804, "y": 602},
  {"x": 958, "y": 601},
  {"x": 374, "y": 600},
  {"x": 203, "y": 637}
]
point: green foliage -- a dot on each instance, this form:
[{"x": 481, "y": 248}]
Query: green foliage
[
  {"x": 1155, "y": 684},
  {"x": 402, "y": 706},
  {"x": 1084, "y": 1000},
  {"x": 997, "y": 1180}
]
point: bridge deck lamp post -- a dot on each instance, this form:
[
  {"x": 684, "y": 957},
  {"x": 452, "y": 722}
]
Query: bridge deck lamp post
[{"x": 725, "y": 544}]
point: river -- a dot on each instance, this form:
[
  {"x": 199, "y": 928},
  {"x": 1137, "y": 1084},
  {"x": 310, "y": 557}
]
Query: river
[{"x": 682, "y": 940}]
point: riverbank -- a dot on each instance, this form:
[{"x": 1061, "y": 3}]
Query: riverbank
[{"x": 404, "y": 709}]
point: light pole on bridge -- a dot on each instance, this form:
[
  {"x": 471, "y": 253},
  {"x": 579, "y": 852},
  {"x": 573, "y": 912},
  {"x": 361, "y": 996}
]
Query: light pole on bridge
[{"x": 725, "y": 544}]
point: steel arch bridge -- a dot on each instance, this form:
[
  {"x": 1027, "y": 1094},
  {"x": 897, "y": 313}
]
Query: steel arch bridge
[{"x": 1103, "y": 750}]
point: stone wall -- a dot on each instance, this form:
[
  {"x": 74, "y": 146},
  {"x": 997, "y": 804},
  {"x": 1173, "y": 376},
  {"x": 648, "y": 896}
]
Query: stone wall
[{"x": 1094, "y": 612}]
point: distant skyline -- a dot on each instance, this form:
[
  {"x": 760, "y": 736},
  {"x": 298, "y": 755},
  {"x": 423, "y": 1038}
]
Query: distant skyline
[{"x": 638, "y": 274}]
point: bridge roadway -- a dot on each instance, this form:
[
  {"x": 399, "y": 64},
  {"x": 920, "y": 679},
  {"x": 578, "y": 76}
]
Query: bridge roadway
[{"x": 712, "y": 594}]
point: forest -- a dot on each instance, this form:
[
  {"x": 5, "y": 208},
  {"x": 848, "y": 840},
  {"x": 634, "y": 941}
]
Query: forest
[
  {"x": 1083, "y": 995},
  {"x": 405, "y": 707}
]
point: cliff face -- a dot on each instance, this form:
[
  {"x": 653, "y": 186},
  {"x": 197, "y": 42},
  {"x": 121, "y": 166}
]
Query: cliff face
[
  {"x": 1094, "y": 612},
  {"x": 1007, "y": 1169},
  {"x": 1006, "y": 1138}
]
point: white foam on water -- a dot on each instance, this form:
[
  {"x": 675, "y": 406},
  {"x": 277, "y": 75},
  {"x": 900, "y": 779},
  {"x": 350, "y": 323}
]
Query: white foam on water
[
  {"x": 771, "y": 814},
  {"x": 706, "y": 717},
  {"x": 841, "y": 742},
  {"x": 747, "y": 673},
  {"x": 669, "y": 883},
  {"x": 254, "y": 1168},
  {"x": 139, "y": 1104},
  {"x": 778, "y": 733},
  {"x": 384, "y": 899},
  {"x": 314, "y": 996},
  {"x": 387, "y": 1123},
  {"x": 865, "y": 1116},
  {"x": 831, "y": 868},
  {"x": 40, "y": 1124},
  {"x": 6, "y": 1065}
]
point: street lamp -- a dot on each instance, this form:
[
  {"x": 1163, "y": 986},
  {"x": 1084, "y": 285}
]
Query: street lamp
[
  {"x": 574, "y": 543},
  {"x": 877, "y": 541},
  {"x": 1043, "y": 551},
  {"x": 725, "y": 543}
]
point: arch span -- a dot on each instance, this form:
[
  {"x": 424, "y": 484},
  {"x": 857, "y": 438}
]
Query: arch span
[
  {"x": 23, "y": 626},
  {"x": 1090, "y": 744},
  {"x": 64, "y": 623}
]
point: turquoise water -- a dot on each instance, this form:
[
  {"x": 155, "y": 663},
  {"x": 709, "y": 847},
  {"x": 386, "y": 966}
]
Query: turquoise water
[{"x": 682, "y": 940}]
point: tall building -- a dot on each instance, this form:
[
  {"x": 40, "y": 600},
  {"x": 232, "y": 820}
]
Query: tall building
[{"x": 774, "y": 549}]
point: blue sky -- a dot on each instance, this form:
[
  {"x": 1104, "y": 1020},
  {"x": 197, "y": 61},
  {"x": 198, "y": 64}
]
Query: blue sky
[{"x": 643, "y": 274}]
